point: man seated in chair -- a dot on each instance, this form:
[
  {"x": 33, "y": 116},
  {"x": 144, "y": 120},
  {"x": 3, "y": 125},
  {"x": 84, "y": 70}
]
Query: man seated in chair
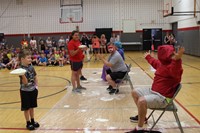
[
  {"x": 167, "y": 76},
  {"x": 119, "y": 48},
  {"x": 117, "y": 68}
]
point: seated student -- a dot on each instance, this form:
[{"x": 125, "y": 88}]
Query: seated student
[
  {"x": 46, "y": 51},
  {"x": 42, "y": 60},
  {"x": 1, "y": 64},
  {"x": 57, "y": 56},
  {"x": 13, "y": 62},
  {"x": 167, "y": 76},
  {"x": 117, "y": 68},
  {"x": 34, "y": 58},
  {"x": 52, "y": 60},
  {"x": 67, "y": 58},
  {"x": 121, "y": 52},
  {"x": 61, "y": 60},
  {"x": 5, "y": 61}
]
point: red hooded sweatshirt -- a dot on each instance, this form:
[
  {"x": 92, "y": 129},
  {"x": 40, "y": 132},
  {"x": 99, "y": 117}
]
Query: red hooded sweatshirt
[{"x": 168, "y": 71}]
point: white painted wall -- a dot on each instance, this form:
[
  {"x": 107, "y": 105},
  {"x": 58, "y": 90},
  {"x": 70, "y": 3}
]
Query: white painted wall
[
  {"x": 185, "y": 5},
  {"x": 42, "y": 16}
]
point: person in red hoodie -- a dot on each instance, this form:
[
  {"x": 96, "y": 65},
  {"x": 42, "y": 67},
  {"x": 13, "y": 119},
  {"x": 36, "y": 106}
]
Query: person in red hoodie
[
  {"x": 168, "y": 74},
  {"x": 76, "y": 61}
]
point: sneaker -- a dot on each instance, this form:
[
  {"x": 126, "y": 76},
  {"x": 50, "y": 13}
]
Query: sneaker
[
  {"x": 109, "y": 88},
  {"x": 82, "y": 88},
  {"x": 114, "y": 91},
  {"x": 76, "y": 90},
  {"x": 136, "y": 131},
  {"x": 30, "y": 127},
  {"x": 36, "y": 124},
  {"x": 134, "y": 119},
  {"x": 8, "y": 67},
  {"x": 68, "y": 62},
  {"x": 82, "y": 78}
]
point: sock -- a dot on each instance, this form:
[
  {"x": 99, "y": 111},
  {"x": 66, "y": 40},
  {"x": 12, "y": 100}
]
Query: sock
[
  {"x": 32, "y": 120},
  {"x": 139, "y": 128},
  {"x": 28, "y": 123}
]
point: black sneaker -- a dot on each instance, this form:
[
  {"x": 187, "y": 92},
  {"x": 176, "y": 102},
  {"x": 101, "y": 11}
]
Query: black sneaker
[
  {"x": 109, "y": 88},
  {"x": 136, "y": 131},
  {"x": 82, "y": 78},
  {"x": 134, "y": 119},
  {"x": 30, "y": 127},
  {"x": 114, "y": 91},
  {"x": 36, "y": 124},
  {"x": 8, "y": 67}
]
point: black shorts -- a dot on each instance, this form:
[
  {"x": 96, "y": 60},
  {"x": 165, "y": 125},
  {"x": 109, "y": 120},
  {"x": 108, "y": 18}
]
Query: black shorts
[
  {"x": 96, "y": 49},
  {"x": 28, "y": 99},
  {"x": 75, "y": 66},
  {"x": 116, "y": 75}
]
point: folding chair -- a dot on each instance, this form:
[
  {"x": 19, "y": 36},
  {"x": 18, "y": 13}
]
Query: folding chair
[
  {"x": 125, "y": 78},
  {"x": 170, "y": 107}
]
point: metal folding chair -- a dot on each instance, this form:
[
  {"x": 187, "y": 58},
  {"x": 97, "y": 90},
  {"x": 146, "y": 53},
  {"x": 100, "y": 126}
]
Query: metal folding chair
[
  {"x": 126, "y": 78},
  {"x": 170, "y": 107}
]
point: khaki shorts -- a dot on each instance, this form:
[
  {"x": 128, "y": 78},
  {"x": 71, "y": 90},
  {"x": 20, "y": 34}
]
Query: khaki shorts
[{"x": 153, "y": 99}]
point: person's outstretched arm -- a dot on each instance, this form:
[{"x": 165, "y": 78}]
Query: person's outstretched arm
[{"x": 151, "y": 60}]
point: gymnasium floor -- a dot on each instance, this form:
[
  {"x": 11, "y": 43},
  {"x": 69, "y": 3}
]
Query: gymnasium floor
[{"x": 95, "y": 111}]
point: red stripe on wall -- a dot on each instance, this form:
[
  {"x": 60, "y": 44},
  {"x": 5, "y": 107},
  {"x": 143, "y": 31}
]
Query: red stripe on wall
[
  {"x": 92, "y": 32},
  {"x": 189, "y": 28}
]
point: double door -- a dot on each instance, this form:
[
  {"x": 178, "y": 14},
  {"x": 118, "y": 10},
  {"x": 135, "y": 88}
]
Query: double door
[{"x": 152, "y": 38}]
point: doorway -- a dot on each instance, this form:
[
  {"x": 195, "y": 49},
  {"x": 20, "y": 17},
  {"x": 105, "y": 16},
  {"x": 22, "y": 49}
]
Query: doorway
[{"x": 152, "y": 37}]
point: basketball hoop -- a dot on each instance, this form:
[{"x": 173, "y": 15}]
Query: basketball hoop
[{"x": 165, "y": 13}]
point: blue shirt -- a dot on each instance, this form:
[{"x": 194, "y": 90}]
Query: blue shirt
[{"x": 42, "y": 60}]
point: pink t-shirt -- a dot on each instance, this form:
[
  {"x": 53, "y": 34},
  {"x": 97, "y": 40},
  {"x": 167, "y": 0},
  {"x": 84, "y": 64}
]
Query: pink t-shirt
[{"x": 95, "y": 43}]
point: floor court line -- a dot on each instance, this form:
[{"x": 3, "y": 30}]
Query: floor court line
[
  {"x": 92, "y": 129},
  {"x": 175, "y": 99}
]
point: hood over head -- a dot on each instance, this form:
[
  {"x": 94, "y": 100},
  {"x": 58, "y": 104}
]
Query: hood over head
[
  {"x": 165, "y": 53},
  {"x": 118, "y": 44}
]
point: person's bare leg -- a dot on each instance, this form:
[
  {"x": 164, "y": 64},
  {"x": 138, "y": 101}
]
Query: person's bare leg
[
  {"x": 95, "y": 55},
  {"x": 105, "y": 50},
  {"x": 31, "y": 113},
  {"x": 142, "y": 111},
  {"x": 73, "y": 79},
  {"x": 135, "y": 97},
  {"x": 26, "y": 115},
  {"x": 110, "y": 81},
  {"x": 101, "y": 50},
  {"x": 78, "y": 78}
]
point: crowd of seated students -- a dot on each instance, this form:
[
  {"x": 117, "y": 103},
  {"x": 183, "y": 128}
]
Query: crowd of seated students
[
  {"x": 46, "y": 52},
  {"x": 50, "y": 56}
]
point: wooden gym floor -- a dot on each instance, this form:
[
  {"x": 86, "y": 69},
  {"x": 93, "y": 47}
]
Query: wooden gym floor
[{"x": 95, "y": 111}]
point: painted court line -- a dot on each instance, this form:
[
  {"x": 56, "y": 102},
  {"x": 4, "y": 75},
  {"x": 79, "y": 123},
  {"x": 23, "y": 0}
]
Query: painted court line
[{"x": 92, "y": 129}]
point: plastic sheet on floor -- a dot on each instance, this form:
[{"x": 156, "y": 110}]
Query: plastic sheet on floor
[{"x": 95, "y": 111}]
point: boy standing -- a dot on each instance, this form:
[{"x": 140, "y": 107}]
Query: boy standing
[{"x": 28, "y": 89}]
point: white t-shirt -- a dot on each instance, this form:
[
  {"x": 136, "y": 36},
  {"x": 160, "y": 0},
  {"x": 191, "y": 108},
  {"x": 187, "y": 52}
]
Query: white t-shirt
[{"x": 33, "y": 43}]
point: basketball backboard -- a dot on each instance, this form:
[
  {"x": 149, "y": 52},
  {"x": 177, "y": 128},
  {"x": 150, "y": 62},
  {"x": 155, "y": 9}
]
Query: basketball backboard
[
  {"x": 71, "y": 11},
  {"x": 167, "y": 8}
]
